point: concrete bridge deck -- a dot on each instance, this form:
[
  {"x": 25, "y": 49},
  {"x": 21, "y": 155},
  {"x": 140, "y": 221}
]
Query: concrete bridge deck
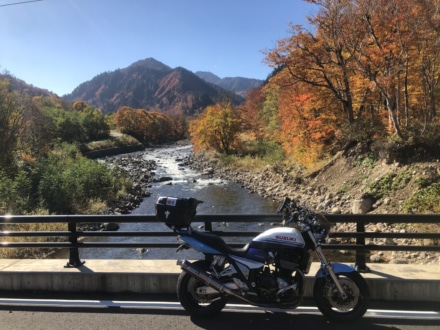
[{"x": 413, "y": 283}]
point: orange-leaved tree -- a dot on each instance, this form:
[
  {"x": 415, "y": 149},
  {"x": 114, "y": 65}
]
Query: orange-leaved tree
[
  {"x": 217, "y": 128},
  {"x": 149, "y": 126},
  {"x": 307, "y": 127},
  {"x": 249, "y": 112},
  {"x": 377, "y": 59}
]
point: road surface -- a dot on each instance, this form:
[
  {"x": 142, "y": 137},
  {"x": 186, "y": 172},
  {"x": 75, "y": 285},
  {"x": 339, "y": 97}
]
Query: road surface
[{"x": 73, "y": 311}]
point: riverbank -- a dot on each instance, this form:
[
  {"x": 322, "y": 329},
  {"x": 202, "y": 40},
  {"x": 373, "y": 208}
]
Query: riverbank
[
  {"x": 340, "y": 187},
  {"x": 141, "y": 173}
]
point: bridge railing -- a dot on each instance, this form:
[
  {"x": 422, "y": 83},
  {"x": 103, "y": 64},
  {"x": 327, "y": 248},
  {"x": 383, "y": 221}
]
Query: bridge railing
[{"x": 71, "y": 238}]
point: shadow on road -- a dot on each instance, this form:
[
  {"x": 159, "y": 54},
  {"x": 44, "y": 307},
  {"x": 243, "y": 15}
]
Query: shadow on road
[
  {"x": 270, "y": 320},
  {"x": 249, "y": 320},
  {"x": 231, "y": 319}
]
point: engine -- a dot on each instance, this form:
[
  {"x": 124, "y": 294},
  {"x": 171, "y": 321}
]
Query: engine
[
  {"x": 281, "y": 281},
  {"x": 284, "y": 252},
  {"x": 267, "y": 284}
]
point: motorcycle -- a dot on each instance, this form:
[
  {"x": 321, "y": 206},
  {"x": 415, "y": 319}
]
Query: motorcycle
[{"x": 267, "y": 272}]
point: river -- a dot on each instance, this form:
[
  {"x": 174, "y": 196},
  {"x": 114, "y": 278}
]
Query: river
[{"x": 218, "y": 197}]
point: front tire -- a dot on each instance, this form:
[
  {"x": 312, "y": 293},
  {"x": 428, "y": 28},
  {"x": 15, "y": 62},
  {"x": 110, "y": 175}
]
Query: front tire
[
  {"x": 330, "y": 302},
  {"x": 194, "y": 302}
]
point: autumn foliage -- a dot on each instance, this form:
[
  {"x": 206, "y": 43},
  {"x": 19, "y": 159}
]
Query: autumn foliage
[
  {"x": 361, "y": 70},
  {"x": 41, "y": 166},
  {"x": 217, "y": 128},
  {"x": 149, "y": 126}
]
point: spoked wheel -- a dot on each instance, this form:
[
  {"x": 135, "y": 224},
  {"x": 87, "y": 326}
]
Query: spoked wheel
[
  {"x": 336, "y": 308},
  {"x": 193, "y": 299}
]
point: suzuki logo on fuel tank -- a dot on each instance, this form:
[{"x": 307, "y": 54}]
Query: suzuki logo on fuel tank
[{"x": 286, "y": 238}]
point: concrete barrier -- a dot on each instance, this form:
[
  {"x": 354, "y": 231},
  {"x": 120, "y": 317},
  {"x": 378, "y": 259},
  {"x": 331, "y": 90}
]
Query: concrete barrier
[{"x": 415, "y": 283}]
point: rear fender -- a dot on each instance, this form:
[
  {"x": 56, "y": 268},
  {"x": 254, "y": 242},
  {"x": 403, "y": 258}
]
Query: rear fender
[{"x": 337, "y": 268}]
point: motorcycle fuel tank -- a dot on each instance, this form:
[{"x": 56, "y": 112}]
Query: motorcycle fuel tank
[{"x": 279, "y": 238}]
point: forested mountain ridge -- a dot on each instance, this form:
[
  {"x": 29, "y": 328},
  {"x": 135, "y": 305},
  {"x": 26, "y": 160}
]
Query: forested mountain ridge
[
  {"x": 21, "y": 86},
  {"x": 151, "y": 85},
  {"x": 238, "y": 85}
]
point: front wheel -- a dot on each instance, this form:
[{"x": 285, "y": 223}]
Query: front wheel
[
  {"x": 193, "y": 299},
  {"x": 333, "y": 306}
]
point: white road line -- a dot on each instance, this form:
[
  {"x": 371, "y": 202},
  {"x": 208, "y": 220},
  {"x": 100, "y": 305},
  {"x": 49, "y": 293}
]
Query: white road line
[{"x": 432, "y": 315}]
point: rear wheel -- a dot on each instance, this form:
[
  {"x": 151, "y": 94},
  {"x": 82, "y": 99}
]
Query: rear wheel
[
  {"x": 333, "y": 306},
  {"x": 193, "y": 299}
]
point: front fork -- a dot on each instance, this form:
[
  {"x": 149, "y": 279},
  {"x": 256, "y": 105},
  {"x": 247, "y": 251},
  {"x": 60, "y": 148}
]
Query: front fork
[{"x": 327, "y": 267}]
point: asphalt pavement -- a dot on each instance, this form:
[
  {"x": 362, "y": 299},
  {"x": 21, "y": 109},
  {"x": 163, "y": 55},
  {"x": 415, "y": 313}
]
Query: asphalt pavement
[{"x": 126, "y": 312}]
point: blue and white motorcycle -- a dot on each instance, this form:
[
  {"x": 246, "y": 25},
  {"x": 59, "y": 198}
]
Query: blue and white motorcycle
[{"x": 269, "y": 271}]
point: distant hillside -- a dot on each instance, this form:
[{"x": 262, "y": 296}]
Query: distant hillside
[
  {"x": 238, "y": 85},
  {"x": 21, "y": 86},
  {"x": 150, "y": 84}
]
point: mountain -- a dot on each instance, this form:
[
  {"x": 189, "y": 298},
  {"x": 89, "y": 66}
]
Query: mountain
[
  {"x": 20, "y": 86},
  {"x": 150, "y": 84},
  {"x": 209, "y": 77},
  {"x": 238, "y": 85}
]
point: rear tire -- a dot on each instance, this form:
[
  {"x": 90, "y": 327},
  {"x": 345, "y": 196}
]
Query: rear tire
[
  {"x": 335, "y": 308},
  {"x": 194, "y": 302}
]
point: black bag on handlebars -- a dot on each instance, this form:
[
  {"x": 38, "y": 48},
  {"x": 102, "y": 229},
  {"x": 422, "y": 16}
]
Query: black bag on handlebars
[{"x": 175, "y": 211}]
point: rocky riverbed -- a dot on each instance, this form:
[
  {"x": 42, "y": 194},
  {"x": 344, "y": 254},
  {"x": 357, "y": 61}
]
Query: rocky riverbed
[
  {"x": 141, "y": 172},
  {"x": 326, "y": 192},
  {"x": 331, "y": 190}
]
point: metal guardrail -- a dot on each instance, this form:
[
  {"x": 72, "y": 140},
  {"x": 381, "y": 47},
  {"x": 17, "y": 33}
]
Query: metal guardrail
[{"x": 73, "y": 232}]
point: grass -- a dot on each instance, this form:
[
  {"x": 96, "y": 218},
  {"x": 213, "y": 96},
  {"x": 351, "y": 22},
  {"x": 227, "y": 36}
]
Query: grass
[
  {"x": 243, "y": 163},
  {"x": 367, "y": 161},
  {"x": 390, "y": 182},
  {"x": 27, "y": 252},
  {"x": 426, "y": 200},
  {"x": 112, "y": 142}
]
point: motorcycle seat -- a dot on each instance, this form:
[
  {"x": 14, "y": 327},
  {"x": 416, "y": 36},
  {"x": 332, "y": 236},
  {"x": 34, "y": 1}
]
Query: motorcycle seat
[{"x": 219, "y": 244}]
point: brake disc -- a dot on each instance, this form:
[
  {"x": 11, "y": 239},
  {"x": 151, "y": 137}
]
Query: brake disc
[{"x": 333, "y": 296}]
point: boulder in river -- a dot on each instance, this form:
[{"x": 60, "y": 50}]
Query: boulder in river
[
  {"x": 110, "y": 226},
  {"x": 164, "y": 179}
]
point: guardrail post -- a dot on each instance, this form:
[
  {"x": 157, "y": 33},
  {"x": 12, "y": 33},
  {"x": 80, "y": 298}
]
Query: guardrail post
[
  {"x": 208, "y": 227},
  {"x": 74, "y": 253},
  {"x": 360, "y": 263}
]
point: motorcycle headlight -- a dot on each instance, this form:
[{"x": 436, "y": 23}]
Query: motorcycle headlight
[
  {"x": 321, "y": 235},
  {"x": 323, "y": 222},
  {"x": 321, "y": 227}
]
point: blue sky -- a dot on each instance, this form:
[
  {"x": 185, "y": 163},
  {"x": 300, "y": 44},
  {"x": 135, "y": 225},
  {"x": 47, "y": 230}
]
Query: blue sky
[{"x": 58, "y": 44}]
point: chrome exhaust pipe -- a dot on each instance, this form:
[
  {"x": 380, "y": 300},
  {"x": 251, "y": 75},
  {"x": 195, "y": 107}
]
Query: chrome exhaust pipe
[{"x": 209, "y": 281}]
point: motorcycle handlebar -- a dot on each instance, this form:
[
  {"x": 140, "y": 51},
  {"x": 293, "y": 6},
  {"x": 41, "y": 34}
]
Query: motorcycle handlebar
[
  {"x": 303, "y": 217},
  {"x": 283, "y": 204}
]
